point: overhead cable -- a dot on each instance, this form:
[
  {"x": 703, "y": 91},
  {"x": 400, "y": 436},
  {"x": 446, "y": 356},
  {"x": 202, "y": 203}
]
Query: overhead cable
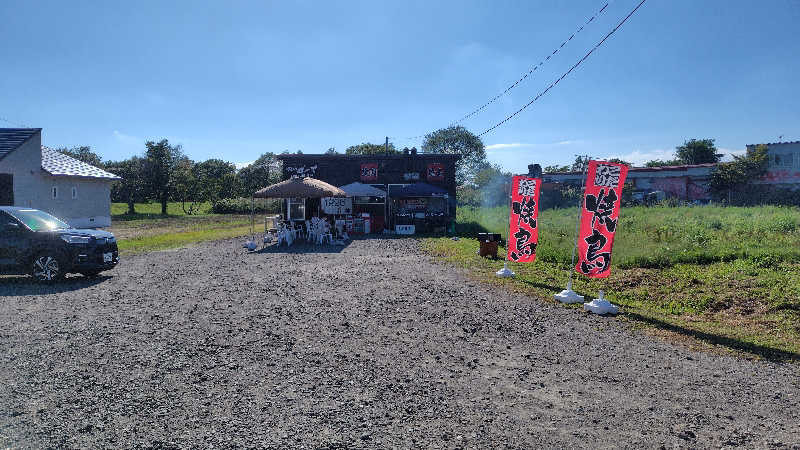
[
  {"x": 530, "y": 72},
  {"x": 567, "y": 72}
]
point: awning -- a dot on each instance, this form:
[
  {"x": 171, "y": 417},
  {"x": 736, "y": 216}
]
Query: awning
[
  {"x": 418, "y": 190},
  {"x": 362, "y": 190},
  {"x": 301, "y": 188}
]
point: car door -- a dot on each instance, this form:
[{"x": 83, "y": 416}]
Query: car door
[{"x": 13, "y": 239}]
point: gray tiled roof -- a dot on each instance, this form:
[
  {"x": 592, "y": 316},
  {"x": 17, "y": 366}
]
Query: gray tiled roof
[
  {"x": 59, "y": 164},
  {"x": 11, "y": 138}
]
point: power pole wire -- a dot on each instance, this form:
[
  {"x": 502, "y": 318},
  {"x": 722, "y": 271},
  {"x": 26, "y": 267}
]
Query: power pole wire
[
  {"x": 513, "y": 85},
  {"x": 567, "y": 72}
]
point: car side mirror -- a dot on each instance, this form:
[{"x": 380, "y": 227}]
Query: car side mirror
[{"x": 13, "y": 226}]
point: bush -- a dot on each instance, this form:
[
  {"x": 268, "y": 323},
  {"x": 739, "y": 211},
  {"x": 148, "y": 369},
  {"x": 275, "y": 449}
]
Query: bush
[{"x": 244, "y": 205}]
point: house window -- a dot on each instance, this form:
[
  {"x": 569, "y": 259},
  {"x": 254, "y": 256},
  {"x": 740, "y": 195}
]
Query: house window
[
  {"x": 296, "y": 208},
  {"x": 55, "y": 192},
  {"x": 74, "y": 192}
]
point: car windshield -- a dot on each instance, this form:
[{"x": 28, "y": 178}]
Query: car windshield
[{"x": 39, "y": 220}]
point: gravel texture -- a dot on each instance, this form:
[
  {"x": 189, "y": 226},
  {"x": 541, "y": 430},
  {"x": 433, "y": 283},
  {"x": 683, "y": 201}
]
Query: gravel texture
[{"x": 369, "y": 346}]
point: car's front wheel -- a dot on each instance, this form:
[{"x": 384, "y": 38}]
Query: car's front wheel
[{"x": 47, "y": 268}]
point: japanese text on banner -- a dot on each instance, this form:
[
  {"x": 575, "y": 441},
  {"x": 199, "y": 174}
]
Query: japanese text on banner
[
  {"x": 523, "y": 233},
  {"x": 599, "y": 217}
]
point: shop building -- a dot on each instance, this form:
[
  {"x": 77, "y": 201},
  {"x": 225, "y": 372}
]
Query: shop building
[{"x": 419, "y": 189}]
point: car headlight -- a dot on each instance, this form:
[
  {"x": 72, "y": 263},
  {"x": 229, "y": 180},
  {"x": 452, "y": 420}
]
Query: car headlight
[{"x": 76, "y": 239}]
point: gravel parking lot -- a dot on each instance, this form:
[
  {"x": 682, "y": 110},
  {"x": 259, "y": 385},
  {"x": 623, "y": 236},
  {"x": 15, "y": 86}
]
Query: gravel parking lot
[{"x": 373, "y": 345}]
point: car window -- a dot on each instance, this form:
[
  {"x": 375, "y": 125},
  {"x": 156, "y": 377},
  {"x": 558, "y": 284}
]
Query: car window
[
  {"x": 39, "y": 220},
  {"x": 4, "y": 221}
]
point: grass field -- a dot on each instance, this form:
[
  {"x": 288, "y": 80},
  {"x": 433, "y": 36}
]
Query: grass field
[
  {"x": 725, "y": 277},
  {"x": 148, "y": 230},
  {"x": 145, "y": 210}
]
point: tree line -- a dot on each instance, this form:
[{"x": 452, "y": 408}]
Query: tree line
[{"x": 164, "y": 173}]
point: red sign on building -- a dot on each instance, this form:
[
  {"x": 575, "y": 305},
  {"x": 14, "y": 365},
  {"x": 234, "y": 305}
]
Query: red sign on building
[
  {"x": 369, "y": 171},
  {"x": 523, "y": 234},
  {"x": 599, "y": 217},
  {"x": 435, "y": 172}
]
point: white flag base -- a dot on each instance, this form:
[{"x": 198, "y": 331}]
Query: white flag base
[
  {"x": 601, "y": 306},
  {"x": 505, "y": 272},
  {"x": 568, "y": 295}
]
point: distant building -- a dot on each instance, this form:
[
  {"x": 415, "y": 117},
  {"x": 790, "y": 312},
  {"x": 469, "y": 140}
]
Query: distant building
[
  {"x": 687, "y": 182},
  {"x": 35, "y": 176},
  {"x": 784, "y": 164}
]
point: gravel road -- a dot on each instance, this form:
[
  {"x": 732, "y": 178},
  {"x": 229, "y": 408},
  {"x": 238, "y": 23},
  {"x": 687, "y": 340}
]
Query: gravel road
[{"x": 370, "y": 346}]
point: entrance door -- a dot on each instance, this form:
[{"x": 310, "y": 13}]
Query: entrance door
[{"x": 6, "y": 189}]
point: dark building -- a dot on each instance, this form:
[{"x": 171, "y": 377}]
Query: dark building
[{"x": 420, "y": 188}]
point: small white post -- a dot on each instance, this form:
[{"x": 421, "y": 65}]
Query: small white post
[
  {"x": 601, "y": 306},
  {"x": 568, "y": 295},
  {"x": 505, "y": 272}
]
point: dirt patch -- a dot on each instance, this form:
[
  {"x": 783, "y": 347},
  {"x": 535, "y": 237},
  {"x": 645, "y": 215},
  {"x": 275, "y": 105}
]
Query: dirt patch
[{"x": 368, "y": 346}]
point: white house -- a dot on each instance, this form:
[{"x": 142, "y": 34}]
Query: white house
[{"x": 37, "y": 177}]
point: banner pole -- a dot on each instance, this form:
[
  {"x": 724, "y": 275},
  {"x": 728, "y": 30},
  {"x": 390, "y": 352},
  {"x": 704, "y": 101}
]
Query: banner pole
[
  {"x": 505, "y": 272},
  {"x": 568, "y": 295}
]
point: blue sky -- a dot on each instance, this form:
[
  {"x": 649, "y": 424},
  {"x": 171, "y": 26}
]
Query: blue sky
[{"x": 233, "y": 80}]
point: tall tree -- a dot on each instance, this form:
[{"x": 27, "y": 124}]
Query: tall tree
[
  {"x": 367, "y": 148},
  {"x": 161, "y": 158},
  {"x": 217, "y": 179},
  {"x": 83, "y": 153},
  {"x": 457, "y": 140},
  {"x": 262, "y": 172},
  {"x": 184, "y": 184},
  {"x": 133, "y": 186},
  {"x": 740, "y": 172},
  {"x": 698, "y": 151}
]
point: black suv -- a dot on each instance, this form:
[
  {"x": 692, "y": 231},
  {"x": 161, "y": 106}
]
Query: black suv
[{"x": 36, "y": 243}]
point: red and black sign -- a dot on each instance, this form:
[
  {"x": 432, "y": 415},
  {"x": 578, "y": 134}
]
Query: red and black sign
[
  {"x": 369, "y": 171},
  {"x": 599, "y": 217},
  {"x": 523, "y": 234},
  {"x": 435, "y": 172}
]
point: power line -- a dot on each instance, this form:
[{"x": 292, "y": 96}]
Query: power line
[
  {"x": 513, "y": 85},
  {"x": 568, "y": 71}
]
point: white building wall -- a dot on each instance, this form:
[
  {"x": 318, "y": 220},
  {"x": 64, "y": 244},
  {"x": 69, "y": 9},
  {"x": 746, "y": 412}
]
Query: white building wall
[
  {"x": 25, "y": 164},
  {"x": 91, "y": 207},
  {"x": 33, "y": 188}
]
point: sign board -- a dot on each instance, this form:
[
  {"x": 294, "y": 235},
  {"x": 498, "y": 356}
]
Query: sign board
[
  {"x": 411, "y": 176},
  {"x": 523, "y": 235},
  {"x": 369, "y": 171},
  {"x": 404, "y": 229},
  {"x": 599, "y": 217},
  {"x": 436, "y": 172},
  {"x": 337, "y": 205}
]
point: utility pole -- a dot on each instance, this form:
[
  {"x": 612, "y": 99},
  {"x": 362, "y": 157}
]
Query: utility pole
[{"x": 386, "y": 145}]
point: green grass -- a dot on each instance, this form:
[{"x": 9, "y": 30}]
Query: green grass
[
  {"x": 147, "y": 210},
  {"x": 148, "y": 230},
  {"x": 169, "y": 240},
  {"x": 724, "y": 278},
  {"x": 659, "y": 237}
]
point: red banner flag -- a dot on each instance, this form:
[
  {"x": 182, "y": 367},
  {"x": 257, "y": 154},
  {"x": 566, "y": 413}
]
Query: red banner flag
[
  {"x": 599, "y": 217},
  {"x": 523, "y": 234},
  {"x": 369, "y": 171}
]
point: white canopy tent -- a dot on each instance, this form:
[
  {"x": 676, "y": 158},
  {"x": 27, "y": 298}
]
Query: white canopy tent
[{"x": 362, "y": 190}]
